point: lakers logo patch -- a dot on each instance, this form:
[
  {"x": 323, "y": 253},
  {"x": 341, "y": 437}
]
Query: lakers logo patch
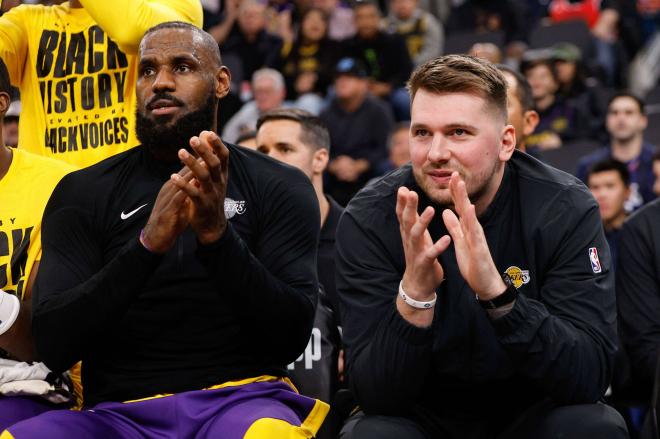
[
  {"x": 233, "y": 207},
  {"x": 518, "y": 277}
]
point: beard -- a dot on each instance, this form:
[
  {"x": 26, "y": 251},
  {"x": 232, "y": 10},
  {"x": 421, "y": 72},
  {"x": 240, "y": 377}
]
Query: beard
[
  {"x": 165, "y": 138},
  {"x": 478, "y": 186}
]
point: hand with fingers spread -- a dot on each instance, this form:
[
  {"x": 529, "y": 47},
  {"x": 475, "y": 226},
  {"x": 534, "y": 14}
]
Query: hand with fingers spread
[
  {"x": 472, "y": 253},
  {"x": 423, "y": 271},
  {"x": 206, "y": 190},
  {"x": 168, "y": 217}
]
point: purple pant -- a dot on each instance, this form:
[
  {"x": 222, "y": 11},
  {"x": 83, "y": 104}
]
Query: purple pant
[
  {"x": 14, "y": 409},
  {"x": 256, "y": 410}
]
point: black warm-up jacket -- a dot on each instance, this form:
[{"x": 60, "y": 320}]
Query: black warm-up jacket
[{"x": 543, "y": 228}]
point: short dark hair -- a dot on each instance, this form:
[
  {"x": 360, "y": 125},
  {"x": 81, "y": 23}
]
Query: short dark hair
[
  {"x": 627, "y": 94},
  {"x": 313, "y": 133},
  {"x": 362, "y": 3},
  {"x": 526, "y": 66},
  {"x": 461, "y": 74},
  {"x": 245, "y": 136},
  {"x": 208, "y": 40},
  {"x": 523, "y": 90},
  {"x": 610, "y": 164},
  {"x": 5, "y": 83}
]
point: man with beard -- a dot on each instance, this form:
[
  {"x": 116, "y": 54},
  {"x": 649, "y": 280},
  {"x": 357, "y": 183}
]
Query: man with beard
[
  {"x": 185, "y": 292},
  {"x": 510, "y": 331}
]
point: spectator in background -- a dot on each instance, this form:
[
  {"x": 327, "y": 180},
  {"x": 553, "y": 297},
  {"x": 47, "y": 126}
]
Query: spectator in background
[
  {"x": 584, "y": 93},
  {"x": 609, "y": 183},
  {"x": 487, "y": 51},
  {"x": 358, "y": 124},
  {"x": 398, "y": 151},
  {"x": 610, "y": 54},
  {"x": 567, "y": 59},
  {"x": 248, "y": 140},
  {"x": 76, "y": 66},
  {"x": 298, "y": 138},
  {"x": 385, "y": 57},
  {"x": 520, "y": 106},
  {"x": 10, "y": 124},
  {"x": 421, "y": 31},
  {"x": 558, "y": 119},
  {"x": 341, "y": 22},
  {"x": 248, "y": 41},
  {"x": 269, "y": 92},
  {"x": 307, "y": 62},
  {"x": 625, "y": 122}
]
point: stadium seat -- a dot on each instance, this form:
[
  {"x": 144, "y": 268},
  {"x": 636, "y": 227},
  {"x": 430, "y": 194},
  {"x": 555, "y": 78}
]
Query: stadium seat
[
  {"x": 652, "y": 133},
  {"x": 573, "y": 31},
  {"x": 460, "y": 42},
  {"x": 566, "y": 158}
]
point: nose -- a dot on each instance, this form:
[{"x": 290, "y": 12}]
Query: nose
[
  {"x": 164, "y": 81},
  {"x": 439, "y": 150}
]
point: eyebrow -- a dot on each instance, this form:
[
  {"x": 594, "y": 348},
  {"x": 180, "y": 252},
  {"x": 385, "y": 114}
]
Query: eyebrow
[
  {"x": 452, "y": 125},
  {"x": 151, "y": 60}
]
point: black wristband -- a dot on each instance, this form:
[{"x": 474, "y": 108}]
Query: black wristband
[{"x": 506, "y": 298}]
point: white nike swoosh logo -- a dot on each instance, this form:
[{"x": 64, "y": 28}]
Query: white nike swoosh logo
[{"x": 129, "y": 214}]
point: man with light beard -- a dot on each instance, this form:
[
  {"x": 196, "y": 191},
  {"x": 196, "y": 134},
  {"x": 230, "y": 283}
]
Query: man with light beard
[
  {"x": 196, "y": 284},
  {"x": 509, "y": 332}
]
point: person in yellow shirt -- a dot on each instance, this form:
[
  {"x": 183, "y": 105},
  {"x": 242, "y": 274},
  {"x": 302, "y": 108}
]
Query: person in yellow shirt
[
  {"x": 26, "y": 183},
  {"x": 76, "y": 65}
]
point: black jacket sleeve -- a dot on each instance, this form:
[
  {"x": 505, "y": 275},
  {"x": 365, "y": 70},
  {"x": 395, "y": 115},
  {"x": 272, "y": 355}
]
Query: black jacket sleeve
[
  {"x": 77, "y": 294},
  {"x": 388, "y": 359},
  {"x": 638, "y": 291},
  {"x": 276, "y": 287},
  {"x": 564, "y": 340}
]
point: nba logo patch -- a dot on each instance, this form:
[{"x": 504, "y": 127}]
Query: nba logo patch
[{"x": 595, "y": 262}]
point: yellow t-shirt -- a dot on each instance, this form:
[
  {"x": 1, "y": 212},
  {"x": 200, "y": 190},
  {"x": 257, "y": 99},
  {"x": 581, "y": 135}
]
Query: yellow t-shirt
[
  {"x": 76, "y": 69},
  {"x": 24, "y": 192}
]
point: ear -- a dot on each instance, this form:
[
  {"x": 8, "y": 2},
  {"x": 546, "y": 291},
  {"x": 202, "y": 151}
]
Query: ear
[
  {"x": 530, "y": 121},
  {"x": 223, "y": 79},
  {"x": 645, "y": 122},
  {"x": 507, "y": 143},
  {"x": 320, "y": 161},
  {"x": 4, "y": 103}
]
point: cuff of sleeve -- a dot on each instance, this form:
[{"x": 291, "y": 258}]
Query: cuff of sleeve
[
  {"x": 408, "y": 332},
  {"x": 513, "y": 319},
  {"x": 135, "y": 252},
  {"x": 225, "y": 243}
]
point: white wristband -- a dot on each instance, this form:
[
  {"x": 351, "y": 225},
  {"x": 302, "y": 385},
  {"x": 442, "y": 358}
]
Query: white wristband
[
  {"x": 9, "y": 307},
  {"x": 416, "y": 303}
]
